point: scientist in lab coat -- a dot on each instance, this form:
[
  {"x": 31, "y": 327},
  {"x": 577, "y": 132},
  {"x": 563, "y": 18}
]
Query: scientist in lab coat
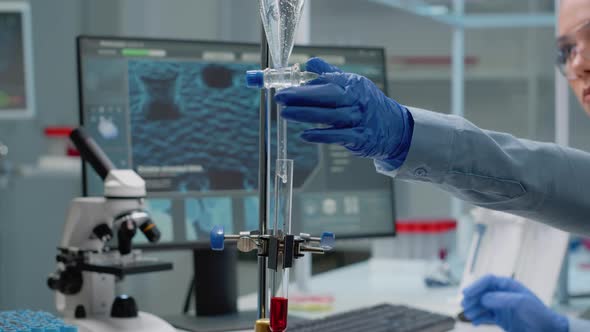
[{"x": 541, "y": 181}]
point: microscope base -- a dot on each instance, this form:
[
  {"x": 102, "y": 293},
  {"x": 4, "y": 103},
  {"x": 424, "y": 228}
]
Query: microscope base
[{"x": 145, "y": 322}]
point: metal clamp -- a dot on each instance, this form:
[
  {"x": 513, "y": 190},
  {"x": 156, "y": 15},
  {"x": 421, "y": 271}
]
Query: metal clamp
[{"x": 280, "y": 249}]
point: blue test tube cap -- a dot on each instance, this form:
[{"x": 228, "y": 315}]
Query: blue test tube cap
[
  {"x": 255, "y": 79},
  {"x": 328, "y": 240},
  {"x": 217, "y": 238}
]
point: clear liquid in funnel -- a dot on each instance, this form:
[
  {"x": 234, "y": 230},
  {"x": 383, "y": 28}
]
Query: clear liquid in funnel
[{"x": 280, "y": 19}]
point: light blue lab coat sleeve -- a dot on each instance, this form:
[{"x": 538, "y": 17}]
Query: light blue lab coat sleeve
[
  {"x": 541, "y": 181},
  {"x": 578, "y": 325}
]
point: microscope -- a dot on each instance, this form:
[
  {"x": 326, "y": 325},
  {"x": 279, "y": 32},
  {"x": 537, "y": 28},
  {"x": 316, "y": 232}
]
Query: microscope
[{"x": 87, "y": 269}]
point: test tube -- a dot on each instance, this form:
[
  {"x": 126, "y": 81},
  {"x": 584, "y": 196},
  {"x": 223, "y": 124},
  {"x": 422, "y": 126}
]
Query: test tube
[
  {"x": 281, "y": 146},
  {"x": 279, "y": 279}
]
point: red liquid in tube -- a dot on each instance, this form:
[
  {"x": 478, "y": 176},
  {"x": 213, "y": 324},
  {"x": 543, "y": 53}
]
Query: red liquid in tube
[{"x": 278, "y": 314}]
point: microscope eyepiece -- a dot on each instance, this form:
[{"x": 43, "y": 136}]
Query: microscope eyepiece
[{"x": 91, "y": 152}]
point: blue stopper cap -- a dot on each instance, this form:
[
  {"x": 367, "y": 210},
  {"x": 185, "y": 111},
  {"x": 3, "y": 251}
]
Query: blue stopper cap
[
  {"x": 480, "y": 228},
  {"x": 217, "y": 237},
  {"x": 327, "y": 241},
  {"x": 255, "y": 79}
]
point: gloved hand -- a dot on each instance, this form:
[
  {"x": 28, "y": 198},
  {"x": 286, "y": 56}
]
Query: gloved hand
[
  {"x": 510, "y": 305},
  {"x": 358, "y": 115}
]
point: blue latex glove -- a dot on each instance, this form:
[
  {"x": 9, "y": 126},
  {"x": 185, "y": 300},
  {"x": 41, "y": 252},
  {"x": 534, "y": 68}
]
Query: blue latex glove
[
  {"x": 510, "y": 305},
  {"x": 358, "y": 115}
]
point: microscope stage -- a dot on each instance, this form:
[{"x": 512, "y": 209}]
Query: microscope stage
[{"x": 120, "y": 270}]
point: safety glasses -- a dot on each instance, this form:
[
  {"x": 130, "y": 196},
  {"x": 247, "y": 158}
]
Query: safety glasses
[{"x": 572, "y": 48}]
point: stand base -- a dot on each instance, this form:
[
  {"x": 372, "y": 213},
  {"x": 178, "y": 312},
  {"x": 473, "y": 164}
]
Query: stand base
[
  {"x": 144, "y": 322},
  {"x": 221, "y": 323}
]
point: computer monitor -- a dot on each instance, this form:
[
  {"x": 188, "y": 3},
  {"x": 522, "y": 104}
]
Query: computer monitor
[
  {"x": 16, "y": 61},
  {"x": 178, "y": 112}
]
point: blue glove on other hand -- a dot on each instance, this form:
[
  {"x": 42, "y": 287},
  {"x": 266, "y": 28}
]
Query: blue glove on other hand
[
  {"x": 510, "y": 305},
  {"x": 358, "y": 115}
]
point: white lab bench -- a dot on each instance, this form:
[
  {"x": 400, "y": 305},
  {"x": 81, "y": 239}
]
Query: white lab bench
[{"x": 378, "y": 281}]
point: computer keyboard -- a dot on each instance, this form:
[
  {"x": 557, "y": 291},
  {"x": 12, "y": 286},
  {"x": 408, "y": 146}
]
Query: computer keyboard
[{"x": 378, "y": 318}]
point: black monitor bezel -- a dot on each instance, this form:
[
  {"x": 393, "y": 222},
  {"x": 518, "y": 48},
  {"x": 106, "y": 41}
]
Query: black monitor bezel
[{"x": 205, "y": 244}]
